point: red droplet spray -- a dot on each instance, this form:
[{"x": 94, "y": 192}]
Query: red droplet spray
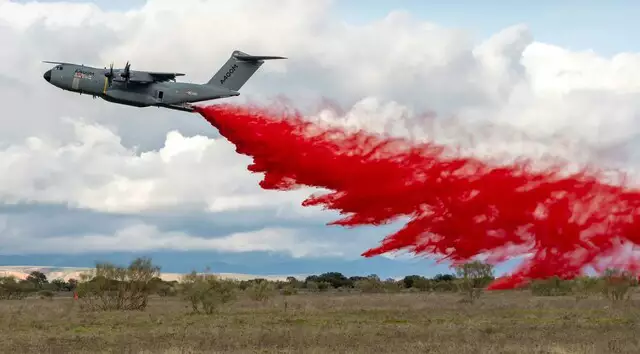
[{"x": 458, "y": 207}]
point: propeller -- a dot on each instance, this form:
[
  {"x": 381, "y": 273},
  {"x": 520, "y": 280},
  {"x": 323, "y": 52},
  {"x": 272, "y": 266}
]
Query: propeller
[
  {"x": 127, "y": 72},
  {"x": 109, "y": 74}
]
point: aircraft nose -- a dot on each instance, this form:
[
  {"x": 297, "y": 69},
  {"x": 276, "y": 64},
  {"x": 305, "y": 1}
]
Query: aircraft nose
[{"x": 47, "y": 75}]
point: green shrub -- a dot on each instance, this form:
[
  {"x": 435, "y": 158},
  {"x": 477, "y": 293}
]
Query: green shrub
[
  {"x": 369, "y": 286},
  {"x": 118, "y": 288},
  {"x": 13, "y": 289},
  {"x": 261, "y": 291},
  {"x": 553, "y": 286},
  {"x": 289, "y": 290},
  {"x": 617, "y": 285},
  {"x": 208, "y": 291}
]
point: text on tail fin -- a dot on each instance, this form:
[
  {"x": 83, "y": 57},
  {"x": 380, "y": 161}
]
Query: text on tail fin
[{"x": 238, "y": 70}]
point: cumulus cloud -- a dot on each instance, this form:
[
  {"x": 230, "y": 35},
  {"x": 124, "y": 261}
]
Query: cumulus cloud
[
  {"x": 506, "y": 94},
  {"x": 95, "y": 171}
]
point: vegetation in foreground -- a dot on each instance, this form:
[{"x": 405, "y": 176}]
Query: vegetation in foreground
[{"x": 131, "y": 310}]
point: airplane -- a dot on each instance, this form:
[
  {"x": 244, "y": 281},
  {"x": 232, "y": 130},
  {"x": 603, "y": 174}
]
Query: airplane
[{"x": 151, "y": 88}]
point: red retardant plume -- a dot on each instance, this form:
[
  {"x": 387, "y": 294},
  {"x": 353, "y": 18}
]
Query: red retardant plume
[{"x": 458, "y": 207}]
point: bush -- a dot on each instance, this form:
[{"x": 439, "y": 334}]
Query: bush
[
  {"x": 324, "y": 286},
  {"x": 369, "y": 286},
  {"x": 617, "y": 285},
  {"x": 261, "y": 291},
  {"x": 163, "y": 288},
  {"x": 422, "y": 284},
  {"x": 289, "y": 290},
  {"x": 207, "y": 291},
  {"x": 314, "y": 286},
  {"x": 13, "y": 289},
  {"x": 392, "y": 286},
  {"x": 583, "y": 287},
  {"x": 294, "y": 283},
  {"x": 554, "y": 286},
  {"x": 118, "y": 288},
  {"x": 311, "y": 286}
]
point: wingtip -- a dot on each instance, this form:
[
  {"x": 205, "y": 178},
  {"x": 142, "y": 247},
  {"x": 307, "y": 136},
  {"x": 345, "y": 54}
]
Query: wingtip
[{"x": 55, "y": 62}]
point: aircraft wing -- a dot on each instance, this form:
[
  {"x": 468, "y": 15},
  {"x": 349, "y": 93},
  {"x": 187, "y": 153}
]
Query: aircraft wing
[
  {"x": 57, "y": 62},
  {"x": 143, "y": 77}
]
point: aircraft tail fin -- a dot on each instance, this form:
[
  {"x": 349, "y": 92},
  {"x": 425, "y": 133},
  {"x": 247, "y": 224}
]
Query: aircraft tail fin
[{"x": 238, "y": 70}]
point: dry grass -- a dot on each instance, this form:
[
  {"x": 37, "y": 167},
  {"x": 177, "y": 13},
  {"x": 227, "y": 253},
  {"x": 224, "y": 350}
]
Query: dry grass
[{"x": 513, "y": 322}]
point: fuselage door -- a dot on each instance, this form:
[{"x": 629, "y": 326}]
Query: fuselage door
[{"x": 75, "y": 84}]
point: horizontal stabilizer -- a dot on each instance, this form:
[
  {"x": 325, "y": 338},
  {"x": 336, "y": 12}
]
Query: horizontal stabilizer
[{"x": 246, "y": 57}]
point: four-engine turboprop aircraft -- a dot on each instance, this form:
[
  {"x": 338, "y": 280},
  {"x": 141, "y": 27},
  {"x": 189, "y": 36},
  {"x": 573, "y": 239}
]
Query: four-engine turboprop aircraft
[{"x": 160, "y": 89}]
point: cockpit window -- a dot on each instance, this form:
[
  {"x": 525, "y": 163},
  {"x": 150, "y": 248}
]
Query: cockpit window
[{"x": 59, "y": 67}]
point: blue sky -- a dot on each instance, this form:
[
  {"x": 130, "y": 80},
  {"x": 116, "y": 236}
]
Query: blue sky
[
  {"x": 606, "y": 27},
  {"x": 600, "y": 26}
]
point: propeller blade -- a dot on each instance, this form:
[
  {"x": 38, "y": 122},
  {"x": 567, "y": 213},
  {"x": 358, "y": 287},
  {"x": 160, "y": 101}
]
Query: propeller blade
[
  {"x": 109, "y": 73},
  {"x": 127, "y": 69}
]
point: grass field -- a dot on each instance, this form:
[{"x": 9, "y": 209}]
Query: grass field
[{"x": 510, "y": 322}]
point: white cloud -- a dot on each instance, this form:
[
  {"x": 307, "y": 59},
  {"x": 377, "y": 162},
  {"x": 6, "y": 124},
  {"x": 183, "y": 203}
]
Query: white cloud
[
  {"x": 95, "y": 171},
  {"x": 508, "y": 94},
  {"x": 142, "y": 237}
]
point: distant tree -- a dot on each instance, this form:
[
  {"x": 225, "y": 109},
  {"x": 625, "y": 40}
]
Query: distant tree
[
  {"x": 410, "y": 281},
  {"x": 37, "y": 278},
  {"x": 59, "y": 285},
  {"x": 119, "y": 288},
  {"x": 474, "y": 276},
  {"x": 72, "y": 284},
  {"x": 356, "y": 279},
  {"x": 311, "y": 278},
  {"x": 11, "y": 288},
  {"x": 444, "y": 277},
  {"x": 416, "y": 282},
  {"x": 335, "y": 279}
]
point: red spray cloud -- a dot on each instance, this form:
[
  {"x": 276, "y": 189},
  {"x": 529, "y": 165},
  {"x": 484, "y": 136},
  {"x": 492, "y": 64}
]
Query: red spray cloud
[{"x": 458, "y": 207}]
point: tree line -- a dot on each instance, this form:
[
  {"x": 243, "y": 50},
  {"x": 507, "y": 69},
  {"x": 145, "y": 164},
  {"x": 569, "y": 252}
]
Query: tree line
[{"x": 112, "y": 287}]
